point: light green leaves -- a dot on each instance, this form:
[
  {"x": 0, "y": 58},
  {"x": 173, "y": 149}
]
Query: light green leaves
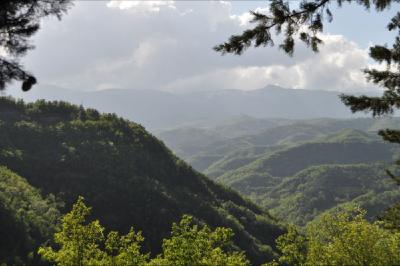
[
  {"x": 84, "y": 243},
  {"x": 344, "y": 238},
  {"x": 193, "y": 245}
]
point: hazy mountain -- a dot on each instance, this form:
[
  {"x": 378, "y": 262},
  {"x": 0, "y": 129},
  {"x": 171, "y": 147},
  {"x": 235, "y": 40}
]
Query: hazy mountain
[
  {"x": 301, "y": 168},
  {"x": 157, "y": 109},
  {"x": 190, "y": 140},
  {"x": 213, "y": 149}
]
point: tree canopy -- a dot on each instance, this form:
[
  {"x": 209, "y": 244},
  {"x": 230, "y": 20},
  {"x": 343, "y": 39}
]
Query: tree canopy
[
  {"x": 81, "y": 242},
  {"x": 343, "y": 238},
  {"x": 19, "y": 20},
  {"x": 26, "y": 219}
]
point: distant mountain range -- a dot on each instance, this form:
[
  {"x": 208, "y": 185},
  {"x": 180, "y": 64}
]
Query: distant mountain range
[
  {"x": 159, "y": 110},
  {"x": 55, "y": 152},
  {"x": 204, "y": 144},
  {"x": 296, "y": 169}
]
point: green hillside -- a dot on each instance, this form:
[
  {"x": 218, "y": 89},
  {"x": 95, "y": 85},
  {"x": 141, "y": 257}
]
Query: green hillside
[
  {"x": 26, "y": 219},
  {"x": 128, "y": 176},
  {"x": 300, "y": 181},
  {"x": 346, "y": 147},
  {"x": 207, "y": 156},
  {"x": 321, "y": 188},
  {"x": 192, "y": 140},
  {"x": 291, "y": 160},
  {"x": 237, "y": 159},
  {"x": 321, "y": 155},
  {"x": 276, "y": 136}
]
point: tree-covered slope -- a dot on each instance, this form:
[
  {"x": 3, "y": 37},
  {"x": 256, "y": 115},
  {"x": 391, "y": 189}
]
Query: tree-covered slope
[
  {"x": 237, "y": 159},
  {"x": 292, "y": 160},
  {"x": 195, "y": 138},
  {"x": 298, "y": 182},
  {"x": 208, "y": 147},
  {"x": 127, "y": 175},
  {"x": 26, "y": 219},
  {"x": 318, "y": 189},
  {"x": 345, "y": 147}
]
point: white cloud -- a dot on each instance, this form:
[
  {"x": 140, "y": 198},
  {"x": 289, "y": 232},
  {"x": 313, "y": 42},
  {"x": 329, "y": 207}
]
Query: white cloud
[
  {"x": 106, "y": 46},
  {"x": 336, "y": 67},
  {"x": 246, "y": 17},
  {"x": 141, "y": 6},
  {"x": 240, "y": 78},
  {"x": 3, "y": 52}
]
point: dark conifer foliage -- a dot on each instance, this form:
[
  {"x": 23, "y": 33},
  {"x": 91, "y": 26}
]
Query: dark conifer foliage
[
  {"x": 19, "y": 20},
  {"x": 303, "y": 23}
]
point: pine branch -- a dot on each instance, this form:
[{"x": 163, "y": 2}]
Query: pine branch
[
  {"x": 281, "y": 16},
  {"x": 11, "y": 70},
  {"x": 19, "y": 20},
  {"x": 377, "y": 105}
]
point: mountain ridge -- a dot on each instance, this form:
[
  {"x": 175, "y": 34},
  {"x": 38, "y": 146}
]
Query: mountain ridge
[
  {"x": 148, "y": 107},
  {"x": 128, "y": 176}
]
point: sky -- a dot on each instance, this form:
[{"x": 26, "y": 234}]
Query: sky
[{"x": 167, "y": 45}]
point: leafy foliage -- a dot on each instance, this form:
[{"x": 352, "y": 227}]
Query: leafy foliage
[
  {"x": 344, "y": 238},
  {"x": 293, "y": 247},
  {"x": 193, "y": 245},
  {"x": 391, "y": 217},
  {"x": 26, "y": 219},
  {"x": 83, "y": 243}
]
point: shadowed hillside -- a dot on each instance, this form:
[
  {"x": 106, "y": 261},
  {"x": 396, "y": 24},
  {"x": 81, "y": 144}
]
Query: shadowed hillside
[
  {"x": 26, "y": 219},
  {"x": 127, "y": 175}
]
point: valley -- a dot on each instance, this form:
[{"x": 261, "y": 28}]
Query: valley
[{"x": 297, "y": 169}]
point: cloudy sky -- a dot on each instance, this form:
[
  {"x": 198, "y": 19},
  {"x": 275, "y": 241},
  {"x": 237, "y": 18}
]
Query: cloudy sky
[{"x": 167, "y": 45}]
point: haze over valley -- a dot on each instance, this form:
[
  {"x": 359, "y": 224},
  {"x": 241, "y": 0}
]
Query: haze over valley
[{"x": 159, "y": 110}]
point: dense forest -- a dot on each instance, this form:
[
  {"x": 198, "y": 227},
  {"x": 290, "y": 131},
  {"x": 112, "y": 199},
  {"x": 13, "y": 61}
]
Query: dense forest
[
  {"x": 298, "y": 170},
  {"x": 128, "y": 176},
  {"x": 52, "y": 153}
]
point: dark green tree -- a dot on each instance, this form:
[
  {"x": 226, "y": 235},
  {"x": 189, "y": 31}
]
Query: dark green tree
[
  {"x": 19, "y": 20},
  {"x": 305, "y": 23}
]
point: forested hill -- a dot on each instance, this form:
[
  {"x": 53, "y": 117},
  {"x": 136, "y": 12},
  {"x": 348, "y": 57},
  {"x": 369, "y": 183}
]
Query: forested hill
[
  {"x": 300, "y": 169},
  {"x": 128, "y": 176},
  {"x": 26, "y": 219},
  {"x": 207, "y": 147}
]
